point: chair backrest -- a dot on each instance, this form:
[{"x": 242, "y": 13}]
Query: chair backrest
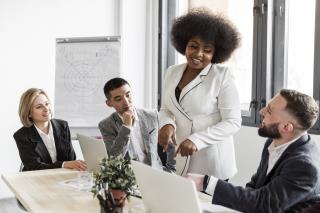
[
  {"x": 21, "y": 167},
  {"x": 310, "y": 206}
]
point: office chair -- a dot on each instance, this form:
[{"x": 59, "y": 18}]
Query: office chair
[
  {"x": 21, "y": 167},
  {"x": 310, "y": 206}
]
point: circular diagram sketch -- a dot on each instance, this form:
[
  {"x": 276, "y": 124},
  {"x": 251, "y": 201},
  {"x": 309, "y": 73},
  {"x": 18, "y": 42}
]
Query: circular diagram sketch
[
  {"x": 82, "y": 68},
  {"x": 83, "y": 78}
]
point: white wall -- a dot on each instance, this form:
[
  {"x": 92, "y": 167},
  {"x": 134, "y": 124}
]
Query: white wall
[
  {"x": 135, "y": 40},
  {"x": 27, "y": 40},
  {"x": 28, "y": 29},
  {"x": 139, "y": 55}
]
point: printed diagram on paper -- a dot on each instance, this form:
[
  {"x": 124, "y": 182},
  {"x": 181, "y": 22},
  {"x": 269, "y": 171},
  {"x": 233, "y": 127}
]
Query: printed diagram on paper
[{"x": 81, "y": 72}]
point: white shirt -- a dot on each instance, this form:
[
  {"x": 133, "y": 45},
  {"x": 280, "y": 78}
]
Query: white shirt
[
  {"x": 136, "y": 138},
  {"x": 275, "y": 152},
  {"x": 49, "y": 142}
]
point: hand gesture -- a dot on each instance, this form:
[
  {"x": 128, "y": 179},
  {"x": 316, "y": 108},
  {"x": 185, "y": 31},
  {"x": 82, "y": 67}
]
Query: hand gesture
[
  {"x": 167, "y": 136},
  {"x": 186, "y": 148},
  {"x": 128, "y": 117}
]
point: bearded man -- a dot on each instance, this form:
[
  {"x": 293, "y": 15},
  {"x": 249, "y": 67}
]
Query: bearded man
[{"x": 288, "y": 175}]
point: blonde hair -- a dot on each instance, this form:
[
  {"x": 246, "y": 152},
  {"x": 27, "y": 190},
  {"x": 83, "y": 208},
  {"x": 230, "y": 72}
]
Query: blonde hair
[{"x": 25, "y": 105}]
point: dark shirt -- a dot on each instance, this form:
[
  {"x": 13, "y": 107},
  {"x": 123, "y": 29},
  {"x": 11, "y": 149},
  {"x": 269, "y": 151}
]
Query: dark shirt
[{"x": 177, "y": 93}]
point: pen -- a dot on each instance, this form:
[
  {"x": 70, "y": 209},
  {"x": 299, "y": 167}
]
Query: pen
[
  {"x": 152, "y": 131},
  {"x": 111, "y": 198}
]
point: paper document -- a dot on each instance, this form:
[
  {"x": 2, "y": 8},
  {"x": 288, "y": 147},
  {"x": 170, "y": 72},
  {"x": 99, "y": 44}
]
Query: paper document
[{"x": 209, "y": 207}]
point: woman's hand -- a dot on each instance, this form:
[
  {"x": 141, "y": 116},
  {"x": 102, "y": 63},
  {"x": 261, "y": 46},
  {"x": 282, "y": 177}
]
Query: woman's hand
[
  {"x": 75, "y": 164},
  {"x": 167, "y": 136},
  {"x": 186, "y": 148}
]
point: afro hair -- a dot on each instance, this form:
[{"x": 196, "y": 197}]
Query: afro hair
[{"x": 212, "y": 28}]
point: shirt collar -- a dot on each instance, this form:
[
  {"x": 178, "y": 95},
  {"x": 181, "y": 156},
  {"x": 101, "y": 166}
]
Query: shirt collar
[
  {"x": 206, "y": 69},
  {"x": 41, "y": 132},
  {"x": 284, "y": 146}
]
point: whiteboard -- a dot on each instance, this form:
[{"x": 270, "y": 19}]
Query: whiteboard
[{"x": 83, "y": 66}]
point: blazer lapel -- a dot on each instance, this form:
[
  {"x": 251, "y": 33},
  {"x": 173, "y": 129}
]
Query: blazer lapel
[
  {"x": 262, "y": 172},
  {"x": 57, "y": 134},
  {"x": 178, "y": 106},
  {"x": 195, "y": 82},
  {"x": 144, "y": 133},
  {"x": 56, "y": 131},
  {"x": 117, "y": 120},
  {"x": 176, "y": 79},
  {"x": 300, "y": 141},
  {"x": 41, "y": 149}
]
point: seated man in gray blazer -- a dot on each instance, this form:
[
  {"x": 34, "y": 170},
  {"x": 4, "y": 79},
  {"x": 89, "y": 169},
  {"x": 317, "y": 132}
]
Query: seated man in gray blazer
[
  {"x": 132, "y": 132},
  {"x": 289, "y": 170}
]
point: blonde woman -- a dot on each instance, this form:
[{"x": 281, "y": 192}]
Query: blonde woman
[{"x": 43, "y": 142}]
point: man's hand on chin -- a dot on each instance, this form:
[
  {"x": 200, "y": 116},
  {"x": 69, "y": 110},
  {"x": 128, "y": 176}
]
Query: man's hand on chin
[{"x": 128, "y": 117}]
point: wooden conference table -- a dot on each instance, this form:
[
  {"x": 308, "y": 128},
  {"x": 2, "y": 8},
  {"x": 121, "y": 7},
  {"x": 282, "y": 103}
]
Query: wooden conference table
[{"x": 45, "y": 191}]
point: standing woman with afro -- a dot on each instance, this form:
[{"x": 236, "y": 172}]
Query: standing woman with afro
[{"x": 200, "y": 109}]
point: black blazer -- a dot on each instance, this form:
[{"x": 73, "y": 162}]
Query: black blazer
[
  {"x": 33, "y": 152},
  {"x": 294, "y": 178}
]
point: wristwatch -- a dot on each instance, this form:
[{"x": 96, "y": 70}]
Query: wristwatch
[{"x": 205, "y": 182}]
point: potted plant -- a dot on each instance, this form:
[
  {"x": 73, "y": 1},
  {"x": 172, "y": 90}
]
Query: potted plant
[{"x": 113, "y": 183}]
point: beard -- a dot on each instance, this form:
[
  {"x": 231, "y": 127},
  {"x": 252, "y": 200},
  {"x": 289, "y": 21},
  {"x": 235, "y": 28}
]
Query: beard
[{"x": 270, "y": 131}]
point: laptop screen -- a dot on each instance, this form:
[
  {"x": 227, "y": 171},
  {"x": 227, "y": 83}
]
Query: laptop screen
[
  {"x": 165, "y": 192},
  {"x": 93, "y": 150}
]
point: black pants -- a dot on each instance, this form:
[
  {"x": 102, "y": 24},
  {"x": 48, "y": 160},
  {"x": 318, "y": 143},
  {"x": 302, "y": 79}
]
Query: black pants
[{"x": 162, "y": 155}]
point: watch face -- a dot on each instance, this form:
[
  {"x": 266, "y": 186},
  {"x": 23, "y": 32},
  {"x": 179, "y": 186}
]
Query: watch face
[{"x": 205, "y": 182}]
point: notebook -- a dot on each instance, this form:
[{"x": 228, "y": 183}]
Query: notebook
[
  {"x": 165, "y": 192},
  {"x": 93, "y": 150}
]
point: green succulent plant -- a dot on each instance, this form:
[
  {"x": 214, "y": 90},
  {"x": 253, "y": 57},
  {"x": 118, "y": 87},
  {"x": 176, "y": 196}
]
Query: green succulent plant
[{"x": 116, "y": 172}]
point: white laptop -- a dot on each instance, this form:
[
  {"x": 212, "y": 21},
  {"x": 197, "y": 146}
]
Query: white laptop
[
  {"x": 165, "y": 192},
  {"x": 93, "y": 150}
]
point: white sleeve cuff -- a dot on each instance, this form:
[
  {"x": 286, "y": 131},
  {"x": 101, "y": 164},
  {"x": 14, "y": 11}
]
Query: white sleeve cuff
[
  {"x": 199, "y": 144},
  {"x": 211, "y": 185},
  {"x": 62, "y": 166},
  {"x": 165, "y": 122}
]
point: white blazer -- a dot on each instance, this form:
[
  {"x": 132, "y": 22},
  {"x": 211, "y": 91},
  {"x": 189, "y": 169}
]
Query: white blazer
[{"x": 208, "y": 113}]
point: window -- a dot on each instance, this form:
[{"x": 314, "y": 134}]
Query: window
[
  {"x": 296, "y": 71},
  {"x": 280, "y": 48},
  {"x": 296, "y": 47},
  {"x": 300, "y": 42}
]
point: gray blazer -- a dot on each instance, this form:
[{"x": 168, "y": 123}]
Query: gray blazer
[
  {"x": 295, "y": 178},
  {"x": 116, "y": 138}
]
